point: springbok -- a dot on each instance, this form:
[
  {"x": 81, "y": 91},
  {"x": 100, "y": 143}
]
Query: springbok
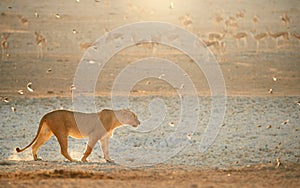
[{"x": 41, "y": 43}]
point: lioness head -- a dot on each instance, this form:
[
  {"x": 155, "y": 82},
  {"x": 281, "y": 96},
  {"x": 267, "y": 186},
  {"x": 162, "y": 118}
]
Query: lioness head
[{"x": 128, "y": 117}]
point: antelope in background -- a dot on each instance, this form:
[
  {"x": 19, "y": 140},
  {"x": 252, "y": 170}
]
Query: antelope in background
[
  {"x": 241, "y": 36},
  {"x": 260, "y": 37},
  {"x": 279, "y": 36},
  {"x": 296, "y": 36},
  {"x": 4, "y": 46},
  {"x": 41, "y": 43}
]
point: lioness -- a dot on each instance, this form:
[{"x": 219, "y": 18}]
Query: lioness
[{"x": 95, "y": 126}]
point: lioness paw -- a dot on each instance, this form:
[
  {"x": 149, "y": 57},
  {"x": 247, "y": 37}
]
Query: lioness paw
[
  {"x": 38, "y": 159},
  {"x": 110, "y": 161}
]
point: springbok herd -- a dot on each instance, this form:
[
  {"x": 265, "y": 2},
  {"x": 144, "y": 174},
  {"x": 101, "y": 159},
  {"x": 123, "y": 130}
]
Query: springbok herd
[
  {"x": 232, "y": 31},
  {"x": 214, "y": 40}
]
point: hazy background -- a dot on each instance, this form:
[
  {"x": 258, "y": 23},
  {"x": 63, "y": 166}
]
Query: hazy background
[{"x": 69, "y": 26}]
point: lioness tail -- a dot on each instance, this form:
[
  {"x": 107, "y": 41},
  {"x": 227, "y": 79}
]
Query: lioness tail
[{"x": 38, "y": 132}]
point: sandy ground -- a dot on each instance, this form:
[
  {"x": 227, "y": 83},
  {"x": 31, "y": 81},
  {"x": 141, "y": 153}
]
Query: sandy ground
[
  {"x": 45, "y": 174},
  {"x": 258, "y": 144}
]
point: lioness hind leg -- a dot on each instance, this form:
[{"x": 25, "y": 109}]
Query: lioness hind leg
[
  {"x": 43, "y": 137},
  {"x": 63, "y": 142}
]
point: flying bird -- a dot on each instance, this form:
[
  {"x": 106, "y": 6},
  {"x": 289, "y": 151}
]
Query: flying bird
[{"x": 29, "y": 87}]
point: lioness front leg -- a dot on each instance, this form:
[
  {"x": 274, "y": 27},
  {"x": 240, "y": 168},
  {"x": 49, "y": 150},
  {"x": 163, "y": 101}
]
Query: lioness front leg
[
  {"x": 104, "y": 146},
  {"x": 89, "y": 147}
]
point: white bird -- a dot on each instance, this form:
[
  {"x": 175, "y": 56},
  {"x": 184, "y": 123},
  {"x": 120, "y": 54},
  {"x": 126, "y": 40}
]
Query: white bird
[
  {"x": 285, "y": 122},
  {"x": 72, "y": 87},
  {"x": 171, "y": 5},
  {"x": 189, "y": 136},
  {"x": 171, "y": 124},
  {"x": 5, "y": 99},
  {"x": 91, "y": 62},
  {"x": 160, "y": 76},
  {"x": 181, "y": 86},
  {"x": 36, "y": 14},
  {"x": 29, "y": 87},
  {"x": 271, "y": 91}
]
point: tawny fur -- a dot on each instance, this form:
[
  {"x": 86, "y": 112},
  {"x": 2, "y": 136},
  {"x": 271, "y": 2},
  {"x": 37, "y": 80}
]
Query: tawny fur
[{"x": 95, "y": 126}]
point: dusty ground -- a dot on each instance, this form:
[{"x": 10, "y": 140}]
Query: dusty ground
[
  {"x": 47, "y": 174},
  {"x": 259, "y": 127}
]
